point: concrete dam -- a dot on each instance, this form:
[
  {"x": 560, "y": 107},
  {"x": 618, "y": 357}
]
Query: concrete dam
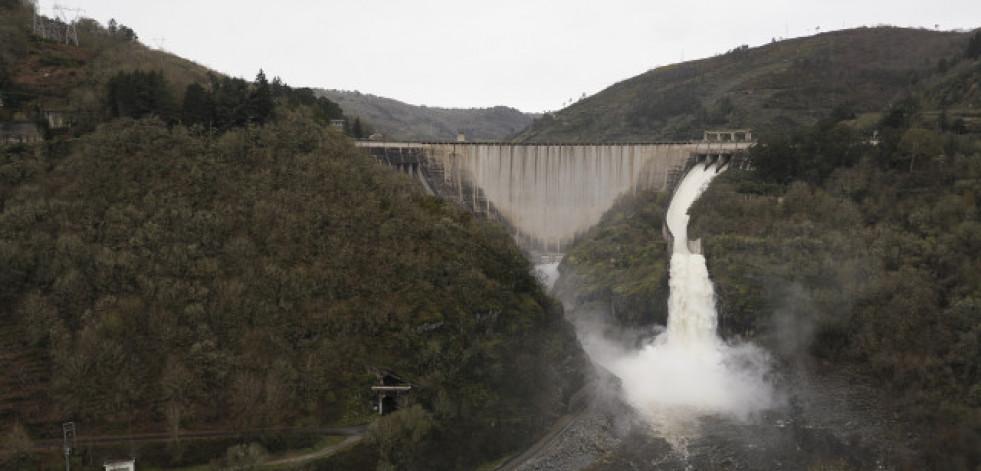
[{"x": 547, "y": 194}]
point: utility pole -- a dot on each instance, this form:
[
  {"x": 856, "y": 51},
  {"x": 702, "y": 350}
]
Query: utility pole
[
  {"x": 70, "y": 33},
  {"x": 68, "y": 429},
  {"x": 72, "y": 28}
]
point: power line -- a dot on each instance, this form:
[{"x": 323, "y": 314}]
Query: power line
[{"x": 61, "y": 28}]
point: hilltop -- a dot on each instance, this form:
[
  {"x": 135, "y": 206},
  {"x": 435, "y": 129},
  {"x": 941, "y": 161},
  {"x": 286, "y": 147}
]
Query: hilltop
[
  {"x": 401, "y": 121},
  {"x": 780, "y": 85}
]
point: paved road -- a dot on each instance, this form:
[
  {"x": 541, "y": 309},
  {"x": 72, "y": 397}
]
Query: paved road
[
  {"x": 578, "y": 403},
  {"x": 347, "y": 443},
  {"x": 541, "y": 446},
  {"x": 356, "y": 430}
]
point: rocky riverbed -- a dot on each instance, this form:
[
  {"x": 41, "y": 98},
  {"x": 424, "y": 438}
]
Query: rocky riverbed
[{"x": 826, "y": 422}]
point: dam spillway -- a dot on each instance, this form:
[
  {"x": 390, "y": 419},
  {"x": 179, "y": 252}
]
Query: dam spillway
[{"x": 546, "y": 194}]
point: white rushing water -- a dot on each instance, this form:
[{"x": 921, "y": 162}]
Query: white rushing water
[
  {"x": 688, "y": 371},
  {"x": 547, "y": 273}
]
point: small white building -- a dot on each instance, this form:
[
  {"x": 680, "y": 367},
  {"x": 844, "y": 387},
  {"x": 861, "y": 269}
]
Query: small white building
[
  {"x": 56, "y": 119},
  {"x": 122, "y": 465}
]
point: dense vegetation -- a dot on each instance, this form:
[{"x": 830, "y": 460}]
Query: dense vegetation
[
  {"x": 209, "y": 253},
  {"x": 862, "y": 254},
  {"x": 874, "y": 267},
  {"x": 781, "y": 85},
  {"x": 198, "y": 251},
  {"x": 620, "y": 266},
  {"x": 168, "y": 279}
]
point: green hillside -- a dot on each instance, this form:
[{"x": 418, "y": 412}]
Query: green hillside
[
  {"x": 400, "y": 121},
  {"x": 780, "y": 85},
  {"x": 861, "y": 256},
  {"x": 199, "y": 252}
]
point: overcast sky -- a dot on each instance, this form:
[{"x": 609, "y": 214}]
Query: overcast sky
[{"x": 534, "y": 55}]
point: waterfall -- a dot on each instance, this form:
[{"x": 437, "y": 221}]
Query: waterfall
[
  {"x": 688, "y": 371},
  {"x": 691, "y": 305}
]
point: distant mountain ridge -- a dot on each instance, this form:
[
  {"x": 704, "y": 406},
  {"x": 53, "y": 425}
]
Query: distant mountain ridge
[{"x": 398, "y": 120}]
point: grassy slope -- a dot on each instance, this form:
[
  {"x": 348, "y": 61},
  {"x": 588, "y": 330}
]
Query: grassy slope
[
  {"x": 781, "y": 84},
  {"x": 398, "y": 120}
]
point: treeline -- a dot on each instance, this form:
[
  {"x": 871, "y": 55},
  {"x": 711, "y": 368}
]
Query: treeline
[
  {"x": 111, "y": 75},
  {"x": 225, "y": 103},
  {"x": 905, "y": 138},
  {"x": 120, "y": 31},
  {"x": 228, "y": 102}
]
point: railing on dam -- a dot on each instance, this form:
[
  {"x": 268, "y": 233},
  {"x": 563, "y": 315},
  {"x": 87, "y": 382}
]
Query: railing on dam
[{"x": 371, "y": 143}]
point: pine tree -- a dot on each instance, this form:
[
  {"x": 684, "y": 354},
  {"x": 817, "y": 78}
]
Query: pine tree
[
  {"x": 198, "y": 106},
  {"x": 357, "y": 131},
  {"x": 260, "y": 100},
  {"x": 137, "y": 94},
  {"x": 5, "y": 81},
  {"x": 231, "y": 99}
]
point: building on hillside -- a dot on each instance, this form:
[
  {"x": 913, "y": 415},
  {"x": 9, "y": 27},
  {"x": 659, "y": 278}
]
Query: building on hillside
[
  {"x": 728, "y": 135},
  {"x": 121, "y": 465},
  {"x": 392, "y": 387},
  {"x": 55, "y": 118}
]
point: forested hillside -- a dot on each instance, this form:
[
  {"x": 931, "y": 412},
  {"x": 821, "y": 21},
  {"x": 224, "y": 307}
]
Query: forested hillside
[
  {"x": 67, "y": 90},
  {"x": 860, "y": 255},
  {"x": 156, "y": 278},
  {"x": 397, "y": 120},
  {"x": 204, "y": 252},
  {"x": 874, "y": 268},
  {"x": 780, "y": 85}
]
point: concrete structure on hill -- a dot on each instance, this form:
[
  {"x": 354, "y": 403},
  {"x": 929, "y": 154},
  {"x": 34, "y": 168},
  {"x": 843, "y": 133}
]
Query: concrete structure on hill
[
  {"x": 729, "y": 135},
  {"x": 547, "y": 194}
]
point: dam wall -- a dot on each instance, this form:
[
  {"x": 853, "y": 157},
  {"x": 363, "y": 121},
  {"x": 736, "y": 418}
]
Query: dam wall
[{"x": 546, "y": 194}]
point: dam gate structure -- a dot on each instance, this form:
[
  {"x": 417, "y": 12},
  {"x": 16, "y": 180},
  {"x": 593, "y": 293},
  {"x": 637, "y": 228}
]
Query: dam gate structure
[{"x": 547, "y": 194}]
